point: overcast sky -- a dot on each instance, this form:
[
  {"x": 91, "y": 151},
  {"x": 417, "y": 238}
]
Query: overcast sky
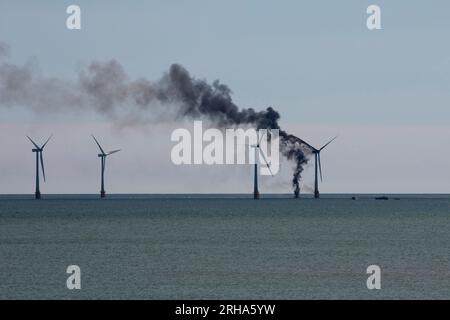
[{"x": 385, "y": 93}]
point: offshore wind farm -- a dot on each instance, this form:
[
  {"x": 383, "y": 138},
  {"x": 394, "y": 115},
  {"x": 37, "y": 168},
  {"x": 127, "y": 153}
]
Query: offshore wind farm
[{"x": 259, "y": 159}]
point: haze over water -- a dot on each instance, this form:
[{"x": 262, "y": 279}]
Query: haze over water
[{"x": 224, "y": 246}]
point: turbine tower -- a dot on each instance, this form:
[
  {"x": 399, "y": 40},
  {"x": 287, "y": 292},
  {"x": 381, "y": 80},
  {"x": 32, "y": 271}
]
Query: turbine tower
[
  {"x": 39, "y": 158},
  {"x": 318, "y": 166},
  {"x": 258, "y": 150},
  {"x": 102, "y": 157}
]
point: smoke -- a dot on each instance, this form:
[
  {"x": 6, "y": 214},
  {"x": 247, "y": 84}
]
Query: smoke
[{"x": 106, "y": 88}]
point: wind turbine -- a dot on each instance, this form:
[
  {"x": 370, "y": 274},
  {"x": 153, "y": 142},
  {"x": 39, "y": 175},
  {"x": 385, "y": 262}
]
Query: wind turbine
[
  {"x": 102, "y": 157},
  {"x": 39, "y": 158},
  {"x": 318, "y": 166},
  {"x": 258, "y": 148}
]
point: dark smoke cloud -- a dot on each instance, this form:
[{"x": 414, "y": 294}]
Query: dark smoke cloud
[{"x": 106, "y": 88}]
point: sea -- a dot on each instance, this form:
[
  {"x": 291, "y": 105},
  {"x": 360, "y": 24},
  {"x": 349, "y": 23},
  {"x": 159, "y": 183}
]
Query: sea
[{"x": 225, "y": 246}]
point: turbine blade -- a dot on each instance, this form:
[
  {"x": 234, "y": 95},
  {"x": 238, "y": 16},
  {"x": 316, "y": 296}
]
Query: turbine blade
[
  {"x": 42, "y": 165},
  {"x": 320, "y": 167},
  {"x": 111, "y": 152},
  {"x": 103, "y": 152},
  {"x": 104, "y": 164},
  {"x": 265, "y": 160},
  {"x": 328, "y": 143},
  {"x": 46, "y": 141},
  {"x": 307, "y": 144},
  {"x": 37, "y": 147}
]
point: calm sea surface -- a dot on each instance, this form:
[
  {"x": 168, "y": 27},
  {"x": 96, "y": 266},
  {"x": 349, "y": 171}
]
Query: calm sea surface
[{"x": 231, "y": 247}]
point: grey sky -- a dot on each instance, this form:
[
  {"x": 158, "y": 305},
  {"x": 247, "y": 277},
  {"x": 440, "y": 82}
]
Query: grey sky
[{"x": 314, "y": 61}]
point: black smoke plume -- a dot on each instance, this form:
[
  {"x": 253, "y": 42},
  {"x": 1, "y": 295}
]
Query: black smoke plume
[{"x": 106, "y": 88}]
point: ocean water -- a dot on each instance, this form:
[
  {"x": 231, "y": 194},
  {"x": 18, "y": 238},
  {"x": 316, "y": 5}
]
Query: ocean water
[{"x": 225, "y": 247}]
